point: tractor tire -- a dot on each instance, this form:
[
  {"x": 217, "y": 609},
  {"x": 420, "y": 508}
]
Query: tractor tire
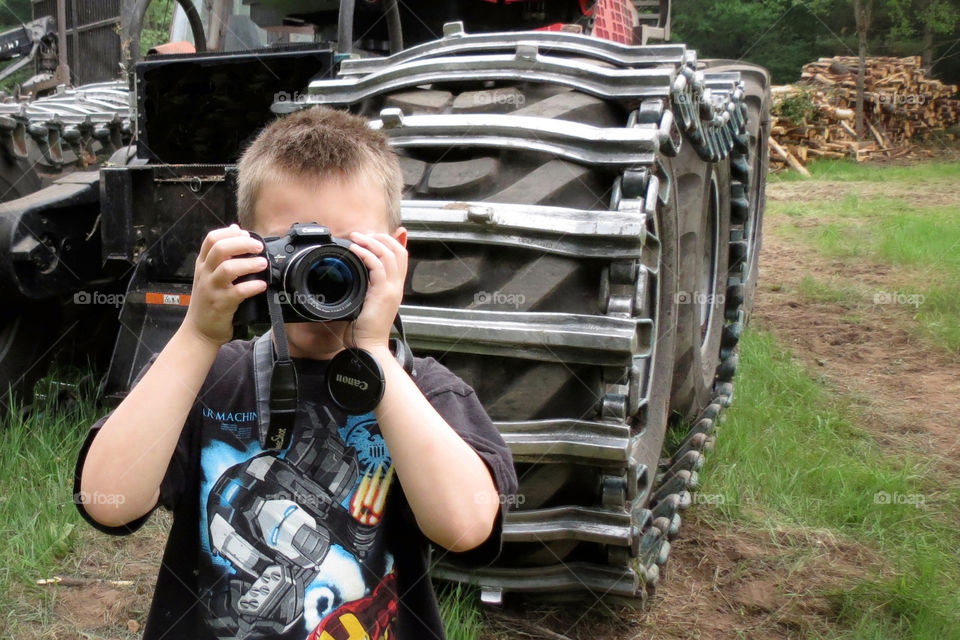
[
  {"x": 703, "y": 190},
  {"x": 27, "y": 334},
  {"x": 482, "y": 277},
  {"x": 544, "y": 270},
  {"x": 746, "y": 237},
  {"x": 24, "y": 330}
]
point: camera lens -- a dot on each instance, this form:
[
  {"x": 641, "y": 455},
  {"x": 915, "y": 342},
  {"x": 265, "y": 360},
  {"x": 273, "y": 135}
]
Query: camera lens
[
  {"x": 325, "y": 282},
  {"x": 329, "y": 279}
]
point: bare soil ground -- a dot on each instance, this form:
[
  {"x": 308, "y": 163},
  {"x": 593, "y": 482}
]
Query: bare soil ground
[
  {"x": 108, "y": 585},
  {"x": 930, "y": 193},
  {"x": 906, "y": 388},
  {"x": 722, "y": 581}
]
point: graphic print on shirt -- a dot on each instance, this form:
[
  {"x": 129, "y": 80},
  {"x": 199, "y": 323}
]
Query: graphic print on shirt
[{"x": 293, "y": 536}]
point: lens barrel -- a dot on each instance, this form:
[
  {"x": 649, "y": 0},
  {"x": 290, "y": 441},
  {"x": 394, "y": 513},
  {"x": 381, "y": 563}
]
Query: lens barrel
[{"x": 325, "y": 282}]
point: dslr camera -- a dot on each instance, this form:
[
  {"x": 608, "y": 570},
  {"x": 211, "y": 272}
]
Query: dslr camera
[{"x": 314, "y": 276}]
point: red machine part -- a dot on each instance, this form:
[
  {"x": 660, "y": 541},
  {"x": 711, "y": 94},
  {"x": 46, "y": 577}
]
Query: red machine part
[{"x": 612, "y": 19}]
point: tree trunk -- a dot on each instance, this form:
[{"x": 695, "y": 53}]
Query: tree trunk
[
  {"x": 863, "y": 10},
  {"x": 926, "y": 48}
]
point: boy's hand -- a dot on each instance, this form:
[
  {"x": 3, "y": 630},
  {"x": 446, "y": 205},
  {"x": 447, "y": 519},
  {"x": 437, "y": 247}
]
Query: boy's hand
[
  {"x": 215, "y": 297},
  {"x": 386, "y": 259}
]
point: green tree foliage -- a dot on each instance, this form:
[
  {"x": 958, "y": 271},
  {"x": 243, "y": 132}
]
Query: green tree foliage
[
  {"x": 926, "y": 19},
  {"x": 12, "y": 14},
  {"x": 783, "y": 35},
  {"x": 912, "y": 17},
  {"x": 156, "y": 24},
  {"x": 14, "y": 11},
  {"x": 798, "y": 108}
]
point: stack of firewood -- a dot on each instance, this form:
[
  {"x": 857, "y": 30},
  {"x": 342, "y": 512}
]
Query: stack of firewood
[{"x": 816, "y": 117}]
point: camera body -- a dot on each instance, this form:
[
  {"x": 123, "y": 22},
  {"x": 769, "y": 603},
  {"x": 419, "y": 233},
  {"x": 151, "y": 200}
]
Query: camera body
[{"x": 313, "y": 276}]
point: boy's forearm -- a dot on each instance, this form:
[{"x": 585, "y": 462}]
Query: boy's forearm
[
  {"x": 447, "y": 484},
  {"x": 129, "y": 456}
]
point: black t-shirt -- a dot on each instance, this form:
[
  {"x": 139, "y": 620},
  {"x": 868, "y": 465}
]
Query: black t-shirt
[{"x": 316, "y": 541}]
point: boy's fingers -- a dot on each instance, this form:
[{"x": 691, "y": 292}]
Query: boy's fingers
[
  {"x": 373, "y": 263},
  {"x": 229, "y": 270},
  {"x": 399, "y": 251},
  {"x": 250, "y": 288},
  {"x": 394, "y": 244},
  {"x": 229, "y": 247},
  {"x": 378, "y": 249},
  {"x": 218, "y": 234}
]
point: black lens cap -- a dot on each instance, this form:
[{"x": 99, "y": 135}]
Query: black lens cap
[{"x": 355, "y": 381}]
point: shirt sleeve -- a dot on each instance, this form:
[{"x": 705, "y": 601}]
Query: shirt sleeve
[
  {"x": 459, "y": 406},
  {"x": 171, "y": 487}
]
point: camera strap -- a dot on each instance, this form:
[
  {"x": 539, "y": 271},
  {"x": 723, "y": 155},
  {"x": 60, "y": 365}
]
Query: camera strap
[
  {"x": 276, "y": 378},
  {"x": 282, "y": 389},
  {"x": 401, "y": 351}
]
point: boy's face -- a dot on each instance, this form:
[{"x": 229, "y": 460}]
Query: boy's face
[{"x": 343, "y": 206}]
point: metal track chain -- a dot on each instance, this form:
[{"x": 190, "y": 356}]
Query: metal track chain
[
  {"x": 720, "y": 101},
  {"x": 638, "y": 508},
  {"x": 75, "y": 119},
  {"x": 671, "y": 103}
]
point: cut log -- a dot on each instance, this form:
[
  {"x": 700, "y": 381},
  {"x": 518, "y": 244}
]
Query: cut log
[
  {"x": 786, "y": 155},
  {"x": 900, "y": 103}
]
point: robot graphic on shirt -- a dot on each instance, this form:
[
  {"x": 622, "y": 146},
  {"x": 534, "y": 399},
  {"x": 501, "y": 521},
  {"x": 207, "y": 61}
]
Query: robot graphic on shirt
[{"x": 296, "y": 533}]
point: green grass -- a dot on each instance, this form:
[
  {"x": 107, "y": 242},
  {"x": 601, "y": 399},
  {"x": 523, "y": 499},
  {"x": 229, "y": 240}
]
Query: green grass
[
  {"x": 850, "y": 171},
  {"x": 790, "y": 456},
  {"x": 850, "y": 207},
  {"x": 894, "y": 232},
  {"x": 921, "y": 242},
  {"x": 460, "y": 610},
  {"x": 837, "y": 292},
  {"x": 16, "y": 78},
  {"x": 38, "y": 520}
]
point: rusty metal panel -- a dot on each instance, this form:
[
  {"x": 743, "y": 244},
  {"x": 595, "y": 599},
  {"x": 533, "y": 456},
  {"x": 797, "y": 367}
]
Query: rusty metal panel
[{"x": 93, "y": 40}]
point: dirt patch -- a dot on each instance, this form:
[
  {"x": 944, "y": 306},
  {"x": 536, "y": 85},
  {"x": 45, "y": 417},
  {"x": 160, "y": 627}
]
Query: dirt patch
[
  {"x": 927, "y": 193},
  {"x": 107, "y": 587},
  {"x": 722, "y": 582},
  {"x": 903, "y": 385},
  {"x": 92, "y": 606}
]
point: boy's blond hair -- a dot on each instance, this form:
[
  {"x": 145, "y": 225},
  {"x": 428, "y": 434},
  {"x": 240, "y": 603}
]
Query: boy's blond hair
[{"x": 312, "y": 144}]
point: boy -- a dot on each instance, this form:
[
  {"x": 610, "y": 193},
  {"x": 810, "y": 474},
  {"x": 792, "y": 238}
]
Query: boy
[{"x": 327, "y": 538}]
